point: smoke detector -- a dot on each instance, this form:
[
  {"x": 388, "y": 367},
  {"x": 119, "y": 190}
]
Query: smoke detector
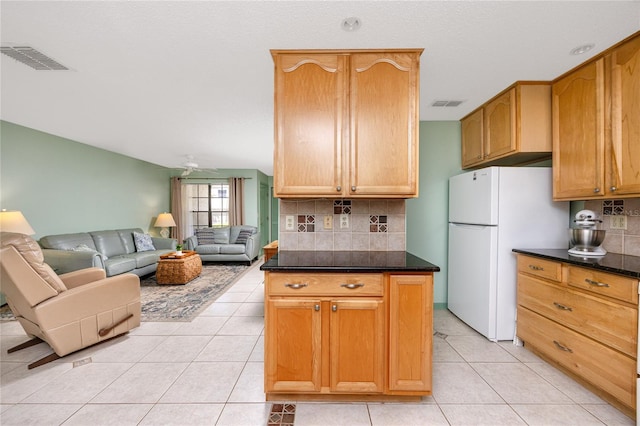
[{"x": 351, "y": 24}]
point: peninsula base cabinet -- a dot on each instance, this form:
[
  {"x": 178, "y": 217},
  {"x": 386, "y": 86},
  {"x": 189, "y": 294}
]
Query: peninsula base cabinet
[
  {"x": 347, "y": 336},
  {"x": 583, "y": 321}
]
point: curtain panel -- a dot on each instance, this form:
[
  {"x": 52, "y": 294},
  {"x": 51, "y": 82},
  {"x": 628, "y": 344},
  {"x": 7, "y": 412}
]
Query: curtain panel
[
  {"x": 177, "y": 210},
  {"x": 236, "y": 201}
]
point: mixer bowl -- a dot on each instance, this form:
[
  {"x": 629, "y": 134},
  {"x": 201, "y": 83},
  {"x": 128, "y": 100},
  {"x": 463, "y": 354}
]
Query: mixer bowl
[{"x": 586, "y": 239}]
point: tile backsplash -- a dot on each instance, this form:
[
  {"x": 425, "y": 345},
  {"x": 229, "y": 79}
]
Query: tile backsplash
[
  {"x": 622, "y": 241},
  {"x": 362, "y": 225}
]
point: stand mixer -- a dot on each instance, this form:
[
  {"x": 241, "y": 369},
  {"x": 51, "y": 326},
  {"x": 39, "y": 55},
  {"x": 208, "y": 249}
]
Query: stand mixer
[{"x": 585, "y": 238}]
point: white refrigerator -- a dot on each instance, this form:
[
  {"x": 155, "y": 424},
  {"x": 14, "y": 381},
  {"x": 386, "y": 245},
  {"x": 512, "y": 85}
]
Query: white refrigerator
[{"x": 492, "y": 211}]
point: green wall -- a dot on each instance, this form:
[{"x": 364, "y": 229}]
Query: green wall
[
  {"x": 62, "y": 186},
  {"x": 428, "y": 215}
]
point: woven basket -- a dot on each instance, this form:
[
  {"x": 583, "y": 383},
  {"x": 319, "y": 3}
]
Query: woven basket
[{"x": 178, "y": 271}]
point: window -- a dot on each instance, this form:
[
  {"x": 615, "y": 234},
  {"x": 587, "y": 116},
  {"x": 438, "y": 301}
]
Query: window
[{"x": 208, "y": 205}]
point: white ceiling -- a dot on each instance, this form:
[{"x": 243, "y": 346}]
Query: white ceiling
[{"x": 160, "y": 80}]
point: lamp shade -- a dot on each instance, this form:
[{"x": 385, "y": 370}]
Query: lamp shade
[
  {"x": 14, "y": 221},
  {"x": 165, "y": 220}
]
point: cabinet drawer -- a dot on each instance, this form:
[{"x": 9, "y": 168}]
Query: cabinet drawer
[
  {"x": 616, "y": 286},
  {"x": 608, "y": 322},
  {"x": 285, "y": 284},
  {"x": 547, "y": 269},
  {"x": 599, "y": 365}
]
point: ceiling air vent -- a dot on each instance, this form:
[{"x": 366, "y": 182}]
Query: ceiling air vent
[
  {"x": 33, "y": 58},
  {"x": 446, "y": 103}
]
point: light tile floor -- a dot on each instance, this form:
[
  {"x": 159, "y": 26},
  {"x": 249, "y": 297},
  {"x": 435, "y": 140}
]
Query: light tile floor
[{"x": 209, "y": 371}]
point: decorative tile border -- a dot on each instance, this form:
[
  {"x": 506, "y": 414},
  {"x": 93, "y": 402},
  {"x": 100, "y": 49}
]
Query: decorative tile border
[
  {"x": 378, "y": 223},
  {"x": 342, "y": 207},
  {"x": 282, "y": 415},
  {"x": 306, "y": 223},
  {"x": 612, "y": 207}
]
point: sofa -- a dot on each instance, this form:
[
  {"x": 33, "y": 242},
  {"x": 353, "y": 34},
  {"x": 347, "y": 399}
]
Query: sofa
[
  {"x": 116, "y": 251},
  {"x": 239, "y": 243}
]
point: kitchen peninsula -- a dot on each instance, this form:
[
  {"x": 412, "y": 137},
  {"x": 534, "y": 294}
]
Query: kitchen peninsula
[{"x": 348, "y": 325}]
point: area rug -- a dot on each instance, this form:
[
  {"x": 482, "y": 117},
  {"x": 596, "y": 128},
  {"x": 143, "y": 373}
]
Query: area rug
[
  {"x": 179, "y": 302},
  {"x": 185, "y": 302}
]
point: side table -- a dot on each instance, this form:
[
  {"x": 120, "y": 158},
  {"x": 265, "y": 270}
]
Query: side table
[{"x": 270, "y": 249}]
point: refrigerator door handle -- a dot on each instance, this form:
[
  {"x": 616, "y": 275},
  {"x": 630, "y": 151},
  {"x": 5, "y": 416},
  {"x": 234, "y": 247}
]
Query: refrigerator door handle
[{"x": 469, "y": 226}]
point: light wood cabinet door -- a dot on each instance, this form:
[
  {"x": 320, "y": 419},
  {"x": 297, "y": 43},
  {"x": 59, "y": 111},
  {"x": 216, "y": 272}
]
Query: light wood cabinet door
[
  {"x": 514, "y": 127},
  {"x": 500, "y": 125},
  {"x": 293, "y": 345},
  {"x": 357, "y": 342},
  {"x": 346, "y": 124},
  {"x": 384, "y": 97},
  {"x": 310, "y": 109},
  {"x": 625, "y": 119},
  {"x": 472, "y": 128},
  {"x": 578, "y": 113},
  {"x": 410, "y": 333}
]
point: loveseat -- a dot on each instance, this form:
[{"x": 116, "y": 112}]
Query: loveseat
[
  {"x": 239, "y": 243},
  {"x": 115, "y": 251}
]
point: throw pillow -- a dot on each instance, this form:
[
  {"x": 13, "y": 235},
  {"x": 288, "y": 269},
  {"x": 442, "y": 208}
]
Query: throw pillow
[
  {"x": 221, "y": 235},
  {"x": 143, "y": 242},
  {"x": 84, "y": 247},
  {"x": 243, "y": 236},
  {"x": 205, "y": 236}
]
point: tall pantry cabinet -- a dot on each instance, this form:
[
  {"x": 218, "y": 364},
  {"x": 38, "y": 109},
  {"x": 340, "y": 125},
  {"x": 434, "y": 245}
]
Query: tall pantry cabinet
[
  {"x": 346, "y": 123},
  {"x": 596, "y": 127}
]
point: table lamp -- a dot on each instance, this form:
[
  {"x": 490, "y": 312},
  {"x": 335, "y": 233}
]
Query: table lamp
[
  {"x": 14, "y": 221},
  {"x": 164, "y": 221}
]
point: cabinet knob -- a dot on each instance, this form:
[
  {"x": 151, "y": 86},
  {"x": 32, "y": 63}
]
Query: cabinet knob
[
  {"x": 334, "y": 308},
  {"x": 316, "y": 307},
  {"x": 613, "y": 189},
  {"x": 596, "y": 190},
  {"x": 353, "y": 188},
  {"x": 338, "y": 188},
  {"x": 479, "y": 157}
]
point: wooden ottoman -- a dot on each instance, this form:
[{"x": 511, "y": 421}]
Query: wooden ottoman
[{"x": 174, "y": 269}]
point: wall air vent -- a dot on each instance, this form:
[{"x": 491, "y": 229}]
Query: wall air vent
[
  {"x": 446, "y": 103},
  {"x": 33, "y": 58}
]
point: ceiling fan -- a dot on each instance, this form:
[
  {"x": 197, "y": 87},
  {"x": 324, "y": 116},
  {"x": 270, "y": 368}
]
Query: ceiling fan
[{"x": 189, "y": 166}]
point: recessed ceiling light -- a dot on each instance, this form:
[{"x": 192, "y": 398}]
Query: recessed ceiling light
[
  {"x": 351, "y": 24},
  {"x": 582, "y": 49}
]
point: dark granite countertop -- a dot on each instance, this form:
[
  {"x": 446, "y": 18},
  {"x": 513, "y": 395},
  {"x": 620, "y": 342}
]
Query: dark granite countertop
[
  {"x": 347, "y": 261},
  {"x": 611, "y": 262}
]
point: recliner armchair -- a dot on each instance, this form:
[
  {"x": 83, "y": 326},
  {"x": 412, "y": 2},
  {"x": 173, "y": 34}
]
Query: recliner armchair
[{"x": 69, "y": 312}]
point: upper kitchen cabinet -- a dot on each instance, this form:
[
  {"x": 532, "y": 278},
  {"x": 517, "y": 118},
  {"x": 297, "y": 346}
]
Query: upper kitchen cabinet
[
  {"x": 512, "y": 128},
  {"x": 596, "y": 126},
  {"x": 472, "y": 139},
  {"x": 346, "y": 123}
]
